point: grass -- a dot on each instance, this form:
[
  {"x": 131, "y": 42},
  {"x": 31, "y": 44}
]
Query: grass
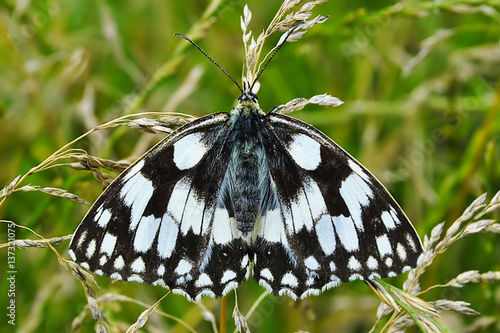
[{"x": 421, "y": 91}]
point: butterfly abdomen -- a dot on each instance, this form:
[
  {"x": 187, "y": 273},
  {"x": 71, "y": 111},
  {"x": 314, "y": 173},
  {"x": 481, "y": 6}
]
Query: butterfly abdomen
[{"x": 246, "y": 164}]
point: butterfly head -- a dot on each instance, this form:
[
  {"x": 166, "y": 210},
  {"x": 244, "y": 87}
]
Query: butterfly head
[{"x": 247, "y": 97}]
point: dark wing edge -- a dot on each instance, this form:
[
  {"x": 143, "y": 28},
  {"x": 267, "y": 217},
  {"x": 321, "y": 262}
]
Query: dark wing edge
[
  {"x": 336, "y": 222},
  {"x": 158, "y": 222}
]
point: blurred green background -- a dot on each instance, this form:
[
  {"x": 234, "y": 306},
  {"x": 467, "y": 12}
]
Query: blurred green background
[{"x": 420, "y": 82}]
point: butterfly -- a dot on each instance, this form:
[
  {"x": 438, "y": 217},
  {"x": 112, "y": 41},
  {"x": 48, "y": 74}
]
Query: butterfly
[{"x": 231, "y": 194}]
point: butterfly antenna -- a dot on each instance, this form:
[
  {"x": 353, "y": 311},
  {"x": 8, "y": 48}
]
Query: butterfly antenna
[
  {"x": 212, "y": 60},
  {"x": 289, "y": 32}
]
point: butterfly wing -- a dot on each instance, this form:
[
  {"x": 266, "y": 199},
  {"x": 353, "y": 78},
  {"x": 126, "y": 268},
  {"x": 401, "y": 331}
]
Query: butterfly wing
[
  {"x": 161, "y": 220},
  {"x": 334, "y": 223}
]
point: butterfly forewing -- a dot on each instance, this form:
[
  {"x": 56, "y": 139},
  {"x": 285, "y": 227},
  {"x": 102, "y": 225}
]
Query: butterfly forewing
[
  {"x": 335, "y": 221},
  {"x": 160, "y": 222}
]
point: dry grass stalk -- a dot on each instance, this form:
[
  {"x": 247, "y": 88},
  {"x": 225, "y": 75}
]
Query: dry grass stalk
[
  {"x": 143, "y": 317},
  {"x": 52, "y": 191},
  {"x": 299, "y": 103},
  {"x": 25, "y": 243},
  {"x": 165, "y": 124},
  {"x": 239, "y": 318},
  {"x": 280, "y": 22},
  {"x": 421, "y": 312},
  {"x": 87, "y": 280}
]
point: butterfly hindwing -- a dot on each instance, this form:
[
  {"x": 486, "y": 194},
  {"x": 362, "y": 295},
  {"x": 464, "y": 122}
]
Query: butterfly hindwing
[
  {"x": 161, "y": 221},
  {"x": 334, "y": 223}
]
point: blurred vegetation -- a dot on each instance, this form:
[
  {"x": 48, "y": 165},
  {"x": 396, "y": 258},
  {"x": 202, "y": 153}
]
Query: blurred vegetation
[{"x": 420, "y": 82}]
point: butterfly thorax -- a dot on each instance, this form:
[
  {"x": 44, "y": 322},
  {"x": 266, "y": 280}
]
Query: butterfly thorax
[{"x": 247, "y": 167}]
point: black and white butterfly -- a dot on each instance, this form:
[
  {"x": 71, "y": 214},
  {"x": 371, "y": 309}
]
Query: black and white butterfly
[{"x": 246, "y": 191}]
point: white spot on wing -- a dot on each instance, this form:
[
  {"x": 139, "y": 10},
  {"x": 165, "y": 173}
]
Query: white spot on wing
[
  {"x": 193, "y": 214},
  {"x": 244, "y": 261},
  {"x": 410, "y": 242},
  {"x": 188, "y": 151},
  {"x": 183, "y": 267},
  {"x": 227, "y": 276},
  {"x": 372, "y": 263},
  {"x": 81, "y": 239},
  {"x": 315, "y": 198},
  {"x": 138, "y": 265},
  {"x": 383, "y": 245},
  {"x": 208, "y": 216},
  {"x": 108, "y": 243},
  {"x": 346, "y": 232},
  {"x": 221, "y": 228},
  {"x": 159, "y": 282},
  {"x": 395, "y": 216},
  {"x": 401, "y": 251},
  {"x": 178, "y": 198},
  {"x": 310, "y": 282},
  {"x": 135, "y": 278},
  {"x": 266, "y": 273},
  {"x": 305, "y": 151},
  {"x": 98, "y": 211},
  {"x": 136, "y": 193},
  {"x": 388, "y": 261},
  {"x": 72, "y": 254},
  {"x": 146, "y": 232},
  {"x": 356, "y": 277},
  {"x": 167, "y": 236},
  {"x": 356, "y": 194},
  {"x": 91, "y": 249},
  {"x": 230, "y": 286},
  {"x": 102, "y": 261},
  {"x": 104, "y": 218},
  {"x": 273, "y": 227},
  {"x": 119, "y": 263},
  {"x": 354, "y": 264},
  {"x": 326, "y": 234},
  {"x": 301, "y": 213},
  {"x": 332, "y": 266},
  {"x": 181, "y": 292},
  {"x": 207, "y": 293},
  {"x": 203, "y": 281},
  {"x": 311, "y": 263},
  {"x": 388, "y": 220},
  {"x": 356, "y": 168},
  {"x": 266, "y": 285},
  {"x": 133, "y": 170},
  {"x": 290, "y": 280},
  {"x": 287, "y": 219}
]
